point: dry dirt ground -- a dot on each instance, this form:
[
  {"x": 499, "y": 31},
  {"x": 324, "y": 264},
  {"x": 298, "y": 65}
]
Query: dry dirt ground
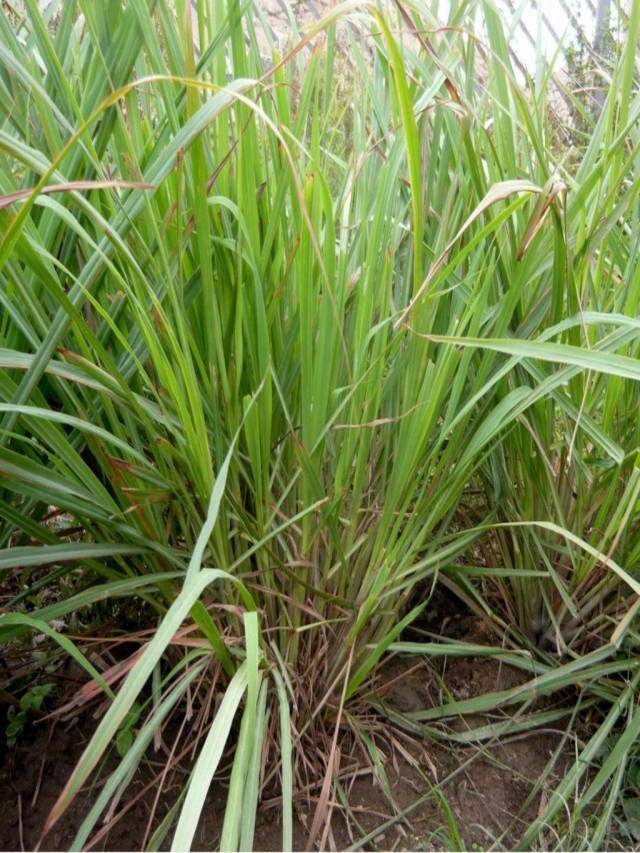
[{"x": 487, "y": 789}]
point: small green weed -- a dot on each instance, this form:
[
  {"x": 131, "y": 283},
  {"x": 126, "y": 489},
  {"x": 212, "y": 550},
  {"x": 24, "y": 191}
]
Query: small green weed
[{"x": 19, "y": 717}]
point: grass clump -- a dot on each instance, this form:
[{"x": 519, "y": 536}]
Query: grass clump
[{"x": 262, "y": 359}]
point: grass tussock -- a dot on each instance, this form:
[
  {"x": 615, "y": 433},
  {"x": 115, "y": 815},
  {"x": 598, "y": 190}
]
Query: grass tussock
[{"x": 292, "y": 343}]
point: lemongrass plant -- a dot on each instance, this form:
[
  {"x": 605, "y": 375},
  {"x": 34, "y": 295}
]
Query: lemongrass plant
[
  {"x": 262, "y": 374},
  {"x": 571, "y": 459}
]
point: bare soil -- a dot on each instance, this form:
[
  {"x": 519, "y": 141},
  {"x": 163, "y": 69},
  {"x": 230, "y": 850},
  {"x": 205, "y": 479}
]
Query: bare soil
[{"x": 486, "y": 788}]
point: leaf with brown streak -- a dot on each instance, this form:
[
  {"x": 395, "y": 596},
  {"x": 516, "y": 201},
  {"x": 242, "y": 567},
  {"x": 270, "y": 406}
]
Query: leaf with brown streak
[{"x": 73, "y": 186}]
